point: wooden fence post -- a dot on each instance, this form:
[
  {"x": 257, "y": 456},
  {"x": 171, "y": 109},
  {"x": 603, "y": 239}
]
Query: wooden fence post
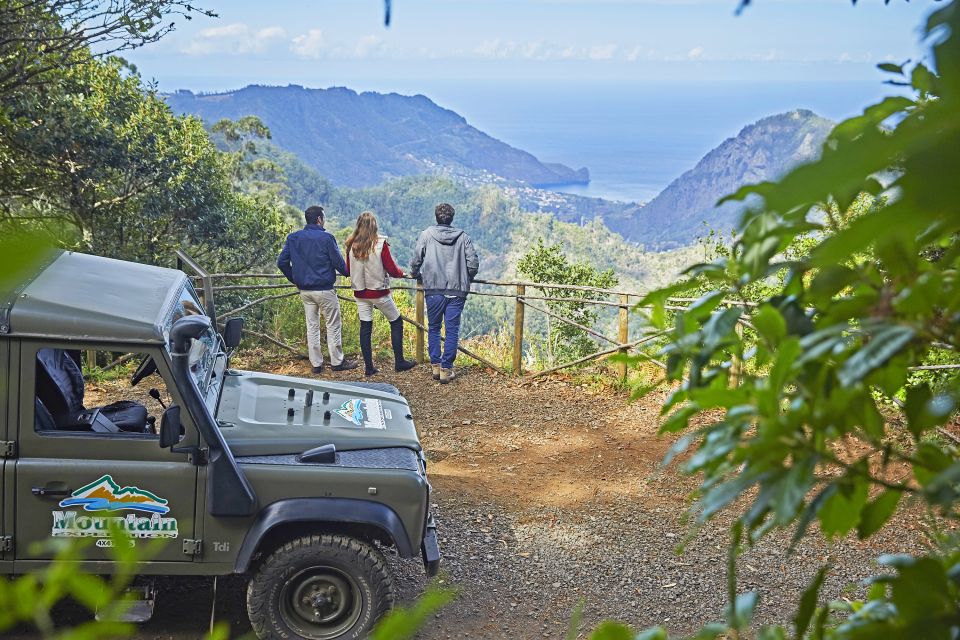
[
  {"x": 418, "y": 309},
  {"x": 736, "y": 365},
  {"x": 624, "y": 333},
  {"x": 518, "y": 332}
]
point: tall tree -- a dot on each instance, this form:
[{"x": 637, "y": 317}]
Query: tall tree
[
  {"x": 549, "y": 264},
  {"x": 40, "y": 37},
  {"x": 99, "y": 161}
]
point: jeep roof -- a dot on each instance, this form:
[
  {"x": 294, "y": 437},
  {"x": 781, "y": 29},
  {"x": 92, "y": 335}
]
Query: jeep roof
[{"x": 67, "y": 299}]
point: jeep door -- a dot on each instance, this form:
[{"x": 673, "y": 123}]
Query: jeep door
[
  {"x": 78, "y": 481},
  {"x": 7, "y": 434}
]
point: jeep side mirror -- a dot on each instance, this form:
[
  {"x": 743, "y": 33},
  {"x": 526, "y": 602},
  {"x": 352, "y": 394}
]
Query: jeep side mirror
[
  {"x": 170, "y": 427},
  {"x": 233, "y": 332}
]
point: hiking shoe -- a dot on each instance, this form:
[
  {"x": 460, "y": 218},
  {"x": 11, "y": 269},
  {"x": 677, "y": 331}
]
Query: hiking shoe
[
  {"x": 436, "y": 371},
  {"x": 405, "y": 365},
  {"x": 371, "y": 372},
  {"x": 446, "y": 375},
  {"x": 318, "y": 369},
  {"x": 346, "y": 365}
]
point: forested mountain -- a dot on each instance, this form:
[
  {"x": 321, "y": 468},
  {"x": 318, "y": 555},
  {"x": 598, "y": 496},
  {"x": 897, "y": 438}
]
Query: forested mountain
[
  {"x": 502, "y": 228},
  {"x": 502, "y": 233},
  {"x": 761, "y": 151},
  {"x": 361, "y": 139}
]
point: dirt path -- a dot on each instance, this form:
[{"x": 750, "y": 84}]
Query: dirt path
[{"x": 549, "y": 495}]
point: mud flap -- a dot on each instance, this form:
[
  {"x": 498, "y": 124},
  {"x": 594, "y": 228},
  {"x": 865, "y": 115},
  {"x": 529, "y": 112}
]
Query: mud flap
[
  {"x": 430, "y": 549},
  {"x": 139, "y": 607}
]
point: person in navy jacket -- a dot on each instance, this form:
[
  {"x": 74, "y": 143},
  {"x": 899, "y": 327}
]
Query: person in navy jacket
[{"x": 311, "y": 260}]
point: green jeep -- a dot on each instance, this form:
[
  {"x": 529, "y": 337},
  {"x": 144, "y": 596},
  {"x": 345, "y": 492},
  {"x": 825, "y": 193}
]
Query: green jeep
[{"x": 297, "y": 483}]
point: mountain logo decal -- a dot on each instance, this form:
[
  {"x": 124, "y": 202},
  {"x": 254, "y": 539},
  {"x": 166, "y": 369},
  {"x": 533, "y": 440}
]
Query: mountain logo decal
[
  {"x": 352, "y": 410},
  {"x": 104, "y": 494},
  {"x": 368, "y": 413}
]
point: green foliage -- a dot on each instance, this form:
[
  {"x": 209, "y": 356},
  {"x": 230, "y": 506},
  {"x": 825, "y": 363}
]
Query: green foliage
[
  {"x": 403, "y": 623},
  {"x": 40, "y": 39},
  {"x": 97, "y": 161},
  {"x": 30, "y": 599},
  {"x": 846, "y": 304},
  {"x": 21, "y": 255},
  {"x": 549, "y": 264},
  {"x": 304, "y": 186}
]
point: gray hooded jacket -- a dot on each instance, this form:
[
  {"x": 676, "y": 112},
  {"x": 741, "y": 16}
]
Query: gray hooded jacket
[{"x": 445, "y": 261}]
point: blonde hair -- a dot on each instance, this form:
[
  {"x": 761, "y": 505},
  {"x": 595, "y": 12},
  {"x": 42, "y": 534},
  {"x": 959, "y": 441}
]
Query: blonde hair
[{"x": 364, "y": 237}]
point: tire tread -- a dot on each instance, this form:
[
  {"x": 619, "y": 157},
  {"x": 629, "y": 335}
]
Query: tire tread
[{"x": 368, "y": 559}]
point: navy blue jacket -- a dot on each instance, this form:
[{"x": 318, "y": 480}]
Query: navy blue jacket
[{"x": 311, "y": 259}]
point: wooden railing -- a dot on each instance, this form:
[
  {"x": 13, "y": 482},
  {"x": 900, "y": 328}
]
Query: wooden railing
[{"x": 624, "y": 302}]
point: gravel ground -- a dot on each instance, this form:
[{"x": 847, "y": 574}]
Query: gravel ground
[
  {"x": 520, "y": 577},
  {"x": 549, "y": 495}
]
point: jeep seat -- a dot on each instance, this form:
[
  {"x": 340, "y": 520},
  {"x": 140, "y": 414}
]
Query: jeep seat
[{"x": 60, "y": 389}]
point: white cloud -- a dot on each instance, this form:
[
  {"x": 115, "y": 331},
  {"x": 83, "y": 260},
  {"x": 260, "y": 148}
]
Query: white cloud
[
  {"x": 310, "y": 44},
  {"x": 369, "y": 46},
  {"x": 487, "y": 48},
  {"x": 864, "y": 57},
  {"x": 695, "y": 54},
  {"x": 542, "y": 50},
  {"x": 533, "y": 50},
  {"x": 314, "y": 45},
  {"x": 233, "y": 39},
  {"x": 602, "y": 52}
]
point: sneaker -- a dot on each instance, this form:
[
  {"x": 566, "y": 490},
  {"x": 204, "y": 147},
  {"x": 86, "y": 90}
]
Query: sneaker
[
  {"x": 318, "y": 369},
  {"x": 371, "y": 372},
  {"x": 346, "y": 365},
  {"x": 436, "y": 371},
  {"x": 405, "y": 365},
  {"x": 446, "y": 375}
]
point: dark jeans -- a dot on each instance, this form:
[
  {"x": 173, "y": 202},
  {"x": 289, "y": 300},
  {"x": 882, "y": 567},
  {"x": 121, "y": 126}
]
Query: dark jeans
[{"x": 441, "y": 309}]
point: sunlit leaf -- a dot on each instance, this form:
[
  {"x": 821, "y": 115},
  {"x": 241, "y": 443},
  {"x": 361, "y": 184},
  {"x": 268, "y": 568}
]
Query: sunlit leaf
[
  {"x": 808, "y": 604},
  {"x": 875, "y": 514}
]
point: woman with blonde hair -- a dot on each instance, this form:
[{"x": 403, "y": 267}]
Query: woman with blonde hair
[{"x": 370, "y": 266}]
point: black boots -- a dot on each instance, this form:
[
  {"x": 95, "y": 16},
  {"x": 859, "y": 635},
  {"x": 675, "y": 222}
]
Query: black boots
[
  {"x": 396, "y": 340},
  {"x": 366, "y": 347}
]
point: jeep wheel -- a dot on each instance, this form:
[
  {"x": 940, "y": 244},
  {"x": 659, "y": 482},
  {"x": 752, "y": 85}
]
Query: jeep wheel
[{"x": 319, "y": 588}]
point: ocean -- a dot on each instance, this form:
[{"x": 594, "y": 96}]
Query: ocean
[{"x": 636, "y": 139}]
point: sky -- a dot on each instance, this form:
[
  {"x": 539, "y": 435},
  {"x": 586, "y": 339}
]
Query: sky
[{"x": 321, "y": 43}]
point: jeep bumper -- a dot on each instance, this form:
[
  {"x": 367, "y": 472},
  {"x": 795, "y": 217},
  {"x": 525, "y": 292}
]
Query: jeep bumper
[{"x": 430, "y": 549}]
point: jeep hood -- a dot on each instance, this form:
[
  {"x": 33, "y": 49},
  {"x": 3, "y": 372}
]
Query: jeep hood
[{"x": 256, "y": 419}]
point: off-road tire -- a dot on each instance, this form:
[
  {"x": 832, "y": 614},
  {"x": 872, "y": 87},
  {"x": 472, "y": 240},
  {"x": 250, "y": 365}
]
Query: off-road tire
[{"x": 270, "y": 592}]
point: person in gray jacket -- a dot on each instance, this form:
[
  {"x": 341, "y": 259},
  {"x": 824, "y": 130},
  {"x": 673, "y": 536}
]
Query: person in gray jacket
[{"x": 445, "y": 263}]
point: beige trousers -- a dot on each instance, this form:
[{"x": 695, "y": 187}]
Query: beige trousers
[
  {"x": 387, "y": 306},
  {"x": 325, "y": 304}
]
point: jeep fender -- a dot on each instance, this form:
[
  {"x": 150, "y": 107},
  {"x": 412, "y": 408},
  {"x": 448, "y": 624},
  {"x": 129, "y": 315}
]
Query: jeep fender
[{"x": 324, "y": 511}]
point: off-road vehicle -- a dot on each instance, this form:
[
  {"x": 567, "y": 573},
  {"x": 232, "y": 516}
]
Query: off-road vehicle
[{"x": 297, "y": 483}]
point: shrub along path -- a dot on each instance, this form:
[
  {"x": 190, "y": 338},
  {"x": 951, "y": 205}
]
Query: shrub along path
[{"x": 550, "y": 494}]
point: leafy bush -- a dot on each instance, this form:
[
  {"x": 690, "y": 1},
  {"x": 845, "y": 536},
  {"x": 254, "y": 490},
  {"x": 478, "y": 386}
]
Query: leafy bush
[
  {"x": 549, "y": 264},
  {"x": 841, "y": 321}
]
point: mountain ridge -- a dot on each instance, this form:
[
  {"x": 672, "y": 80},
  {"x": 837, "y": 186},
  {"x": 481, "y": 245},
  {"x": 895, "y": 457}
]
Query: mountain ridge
[
  {"x": 381, "y": 137},
  {"x": 362, "y": 139},
  {"x": 761, "y": 151}
]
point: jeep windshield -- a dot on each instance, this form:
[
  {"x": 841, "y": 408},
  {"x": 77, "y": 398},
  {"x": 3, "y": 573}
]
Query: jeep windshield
[{"x": 206, "y": 350}]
